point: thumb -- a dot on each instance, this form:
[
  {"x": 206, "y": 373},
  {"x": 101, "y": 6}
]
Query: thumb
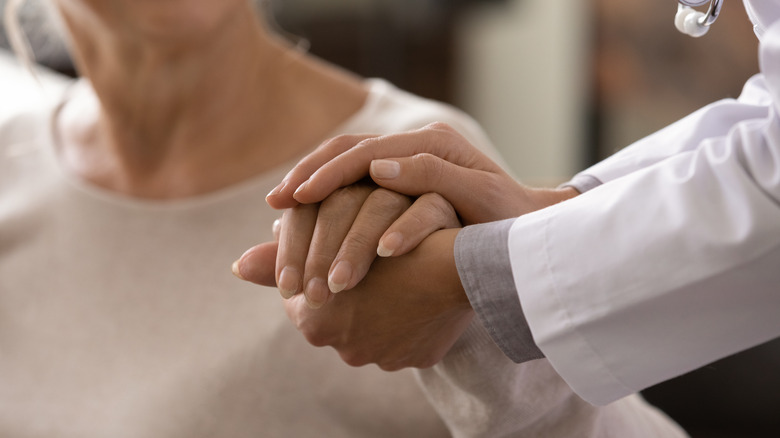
[{"x": 258, "y": 264}]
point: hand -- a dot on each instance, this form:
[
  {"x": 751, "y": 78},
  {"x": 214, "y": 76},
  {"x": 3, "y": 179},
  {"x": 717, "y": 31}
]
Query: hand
[
  {"x": 407, "y": 312},
  {"x": 434, "y": 159},
  {"x": 337, "y": 239}
]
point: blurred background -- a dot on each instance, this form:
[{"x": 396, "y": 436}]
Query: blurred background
[{"x": 558, "y": 85}]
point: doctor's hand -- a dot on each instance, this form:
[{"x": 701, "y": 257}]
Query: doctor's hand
[
  {"x": 345, "y": 227},
  {"x": 433, "y": 159},
  {"x": 407, "y": 312}
]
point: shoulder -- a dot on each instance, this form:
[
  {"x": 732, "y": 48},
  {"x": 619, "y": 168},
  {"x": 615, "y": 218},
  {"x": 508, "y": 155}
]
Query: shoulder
[
  {"x": 27, "y": 100},
  {"x": 26, "y": 109},
  {"x": 390, "y": 109},
  {"x": 394, "y": 109},
  {"x": 22, "y": 92},
  {"x": 23, "y": 127}
]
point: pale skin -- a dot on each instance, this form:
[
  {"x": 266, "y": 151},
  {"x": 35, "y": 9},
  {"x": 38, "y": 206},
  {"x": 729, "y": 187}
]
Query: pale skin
[
  {"x": 192, "y": 96},
  {"x": 195, "y": 96},
  {"x": 182, "y": 85},
  {"x": 406, "y": 309}
]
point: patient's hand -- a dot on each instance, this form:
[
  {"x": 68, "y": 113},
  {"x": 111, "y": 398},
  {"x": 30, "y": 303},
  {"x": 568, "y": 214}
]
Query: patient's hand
[
  {"x": 407, "y": 312},
  {"x": 345, "y": 227}
]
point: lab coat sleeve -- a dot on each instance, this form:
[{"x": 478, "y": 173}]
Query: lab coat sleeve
[
  {"x": 662, "y": 270},
  {"x": 683, "y": 136}
]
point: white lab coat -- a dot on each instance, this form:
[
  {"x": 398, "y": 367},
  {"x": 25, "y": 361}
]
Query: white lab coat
[{"x": 674, "y": 261}]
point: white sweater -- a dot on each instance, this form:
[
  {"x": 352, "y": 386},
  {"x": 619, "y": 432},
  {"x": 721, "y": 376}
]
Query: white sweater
[{"x": 119, "y": 317}]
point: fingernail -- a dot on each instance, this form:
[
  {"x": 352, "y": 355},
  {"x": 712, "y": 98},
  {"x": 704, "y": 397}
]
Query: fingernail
[
  {"x": 385, "y": 169},
  {"x": 316, "y": 293},
  {"x": 389, "y": 244},
  {"x": 276, "y": 227},
  {"x": 300, "y": 188},
  {"x": 289, "y": 282},
  {"x": 276, "y": 190},
  {"x": 340, "y": 276},
  {"x": 236, "y": 271}
]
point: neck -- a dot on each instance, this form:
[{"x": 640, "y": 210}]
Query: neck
[{"x": 170, "y": 108}]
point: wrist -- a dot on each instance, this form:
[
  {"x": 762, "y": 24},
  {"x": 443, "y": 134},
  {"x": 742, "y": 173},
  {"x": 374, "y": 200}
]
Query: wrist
[
  {"x": 446, "y": 270},
  {"x": 545, "y": 197}
]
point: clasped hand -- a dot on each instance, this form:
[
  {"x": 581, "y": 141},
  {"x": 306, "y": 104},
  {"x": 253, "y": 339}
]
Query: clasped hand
[{"x": 408, "y": 307}]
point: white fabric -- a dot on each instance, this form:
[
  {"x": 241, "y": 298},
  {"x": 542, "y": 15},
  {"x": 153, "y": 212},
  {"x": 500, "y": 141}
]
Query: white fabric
[
  {"x": 762, "y": 13},
  {"x": 19, "y": 89},
  {"x": 481, "y": 393},
  {"x": 120, "y": 317},
  {"x": 674, "y": 261}
]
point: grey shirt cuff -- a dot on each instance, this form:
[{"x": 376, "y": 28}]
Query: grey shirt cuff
[{"x": 482, "y": 259}]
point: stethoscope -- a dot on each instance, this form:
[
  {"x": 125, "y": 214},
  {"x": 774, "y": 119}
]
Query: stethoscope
[{"x": 695, "y": 23}]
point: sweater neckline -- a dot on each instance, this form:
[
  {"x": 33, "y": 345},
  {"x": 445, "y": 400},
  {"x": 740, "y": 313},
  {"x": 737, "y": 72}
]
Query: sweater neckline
[{"x": 377, "y": 89}]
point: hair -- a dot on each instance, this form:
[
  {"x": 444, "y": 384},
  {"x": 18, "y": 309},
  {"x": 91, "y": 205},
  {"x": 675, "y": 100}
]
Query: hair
[
  {"x": 35, "y": 32},
  {"x": 16, "y": 37}
]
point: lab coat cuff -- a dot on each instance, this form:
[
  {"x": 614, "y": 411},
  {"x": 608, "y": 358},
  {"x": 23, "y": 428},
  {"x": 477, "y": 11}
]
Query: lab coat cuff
[
  {"x": 583, "y": 182},
  {"x": 485, "y": 270}
]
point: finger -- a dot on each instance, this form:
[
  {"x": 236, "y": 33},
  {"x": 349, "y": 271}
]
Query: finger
[
  {"x": 358, "y": 249},
  {"x": 277, "y": 228},
  {"x": 256, "y": 265},
  {"x": 429, "y": 213},
  {"x": 437, "y": 138},
  {"x": 282, "y": 195},
  {"x": 296, "y": 309},
  {"x": 335, "y": 218},
  {"x": 477, "y": 195},
  {"x": 294, "y": 238}
]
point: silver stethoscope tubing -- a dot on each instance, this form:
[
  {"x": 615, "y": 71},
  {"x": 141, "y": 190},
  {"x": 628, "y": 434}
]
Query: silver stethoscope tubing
[{"x": 712, "y": 12}]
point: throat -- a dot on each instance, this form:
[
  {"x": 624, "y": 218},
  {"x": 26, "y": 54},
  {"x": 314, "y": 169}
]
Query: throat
[{"x": 152, "y": 146}]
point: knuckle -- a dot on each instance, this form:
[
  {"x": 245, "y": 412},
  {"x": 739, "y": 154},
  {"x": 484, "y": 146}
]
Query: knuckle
[
  {"x": 317, "y": 330},
  {"x": 318, "y": 262},
  {"x": 434, "y": 209},
  {"x": 315, "y": 338},
  {"x": 388, "y": 199},
  {"x": 345, "y": 196},
  {"x": 439, "y": 126},
  {"x": 367, "y": 143},
  {"x": 339, "y": 142},
  {"x": 353, "y": 357},
  {"x": 440, "y": 206},
  {"x": 359, "y": 239},
  {"x": 313, "y": 335},
  {"x": 431, "y": 167},
  {"x": 417, "y": 218},
  {"x": 389, "y": 367}
]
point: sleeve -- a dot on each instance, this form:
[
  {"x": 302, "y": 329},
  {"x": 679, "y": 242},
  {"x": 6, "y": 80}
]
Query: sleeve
[
  {"x": 479, "y": 392},
  {"x": 681, "y": 258},
  {"x": 482, "y": 259},
  {"x": 685, "y": 135}
]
